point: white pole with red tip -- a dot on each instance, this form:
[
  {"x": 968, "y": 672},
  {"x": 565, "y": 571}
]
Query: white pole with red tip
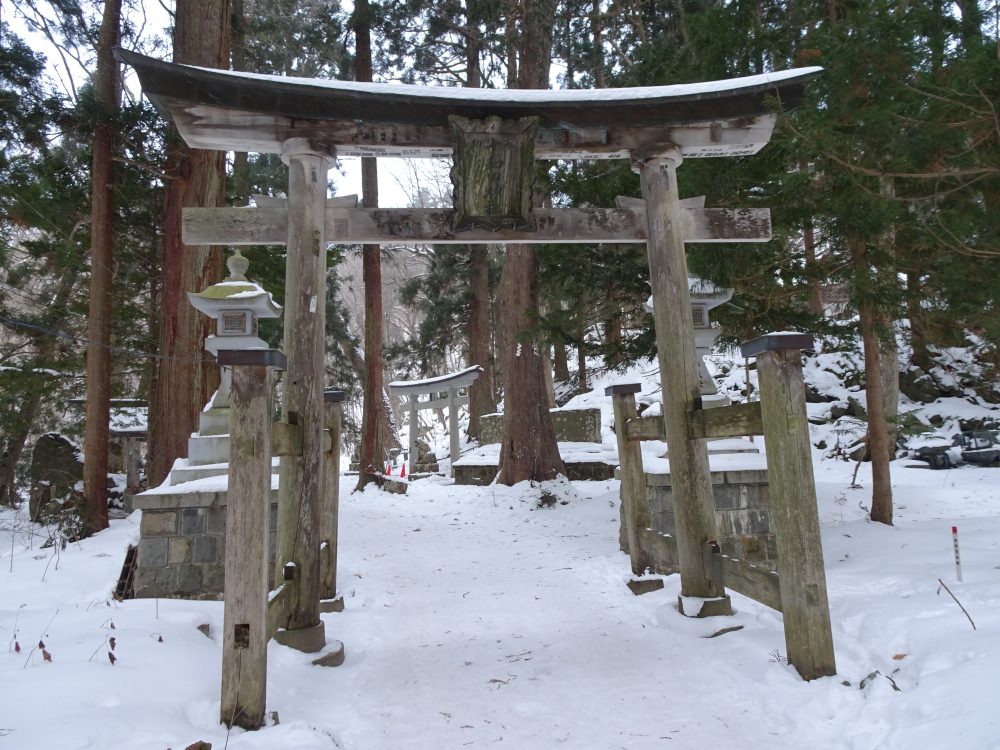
[{"x": 958, "y": 559}]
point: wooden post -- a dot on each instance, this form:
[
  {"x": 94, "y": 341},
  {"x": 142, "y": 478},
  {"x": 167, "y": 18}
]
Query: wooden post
[
  {"x": 802, "y": 578},
  {"x": 690, "y": 476},
  {"x": 301, "y": 486},
  {"x": 245, "y": 634},
  {"x": 412, "y": 454},
  {"x": 635, "y": 504},
  {"x": 330, "y": 514},
  {"x": 453, "y": 427},
  {"x": 132, "y": 464}
]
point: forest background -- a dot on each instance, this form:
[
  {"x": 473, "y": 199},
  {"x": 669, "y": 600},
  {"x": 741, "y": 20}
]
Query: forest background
[{"x": 884, "y": 189}]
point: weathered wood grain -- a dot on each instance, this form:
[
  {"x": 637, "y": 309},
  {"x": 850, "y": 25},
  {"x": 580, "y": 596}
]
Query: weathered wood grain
[
  {"x": 794, "y": 514},
  {"x": 694, "y": 503},
  {"x": 646, "y": 428},
  {"x": 301, "y": 476},
  {"x": 635, "y": 502},
  {"x": 492, "y": 173},
  {"x": 245, "y": 630},
  {"x": 269, "y": 226},
  {"x": 726, "y": 421},
  {"x": 330, "y": 507}
]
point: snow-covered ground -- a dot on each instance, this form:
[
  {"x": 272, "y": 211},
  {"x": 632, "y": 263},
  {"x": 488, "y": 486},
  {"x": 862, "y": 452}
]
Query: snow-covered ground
[{"x": 474, "y": 619}]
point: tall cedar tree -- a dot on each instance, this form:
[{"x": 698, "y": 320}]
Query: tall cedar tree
[
  {"x": 185, "y": 377},
  {"x": 98, "y": 412},
  {"x": 375, "y": 424},
  {"x": 528, "y": 449}
]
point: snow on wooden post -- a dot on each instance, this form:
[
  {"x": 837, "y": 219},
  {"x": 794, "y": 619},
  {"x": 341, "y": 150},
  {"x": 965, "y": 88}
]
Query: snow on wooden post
[
  {"x": 635, "y": 504},
  {"x": 794, "y": 515},
  {"x": 330, "y": 512},
  {"x": 690, "y": 477},
  {"x": 301, "y": 486},
  {"x": 245, "y": 634}
]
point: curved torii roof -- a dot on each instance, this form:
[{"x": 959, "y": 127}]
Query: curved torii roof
[
  {"x": 229, "y": 110},
  {"x": 461, "y": 379}
]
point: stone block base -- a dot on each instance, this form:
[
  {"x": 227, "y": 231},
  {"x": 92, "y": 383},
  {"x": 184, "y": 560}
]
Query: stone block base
[
  {"x": 310, "y": 640},
  {"x": 333, "y": 658},
  {"x": 480, "y": 476},
  {"x": 182, "y": 545}
]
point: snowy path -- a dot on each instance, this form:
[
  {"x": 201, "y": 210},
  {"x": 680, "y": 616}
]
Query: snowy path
[{"x": 474, "y": 619}]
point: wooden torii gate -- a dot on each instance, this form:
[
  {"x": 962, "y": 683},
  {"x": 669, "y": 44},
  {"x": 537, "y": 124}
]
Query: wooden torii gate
[{"x": 493, "y": 137}]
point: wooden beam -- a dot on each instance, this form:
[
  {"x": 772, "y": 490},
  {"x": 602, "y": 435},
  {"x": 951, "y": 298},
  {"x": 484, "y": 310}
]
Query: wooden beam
[
  {"x": 286, "y": 439},
  {"x": 635, "y": 501},
  {"x": 726, "y": 421},
  {"x": 760, "y": 584},
  {"x": 690, "y": 475},
  {"x": 277, "y": 602},
  {"x": 646, "y": 428},
  {"x": 219, "y": 127},
  {"x": 493, "y": 171},
  {"x": 754, "y": 582},
  {"x": 330, "y": 505},
  {"x": 269, "y": 226},
  {"x": 245, "y": 633},
  {"x": 441, "y": 403},
  {"x": 794, "y": 514},
  {"x": 301, "y": 476}
]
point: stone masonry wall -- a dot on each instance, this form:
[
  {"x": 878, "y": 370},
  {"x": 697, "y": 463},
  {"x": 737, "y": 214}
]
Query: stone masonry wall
[
  {"x": 571, "y": 425},
  {"x": 742, "y": 513},
  {"x": 182, "y": 550}
]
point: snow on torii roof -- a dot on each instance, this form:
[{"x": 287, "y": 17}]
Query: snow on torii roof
[
  {"x": 231, "y": 110},
  {"x": 461, "y": 379}
]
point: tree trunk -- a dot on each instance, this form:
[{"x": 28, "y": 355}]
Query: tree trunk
[
  {"x": 482, "y": 393},
  {"x": 815, "y": 305},
  {"x": 375, "y": 413},
  {"x": 528, "y": 449},
  {"x": 597, "y": 26},
  {"x": 186, "y": 377},
  {"x": 889, "y": 365},
  {"x": 920, "y": 356},
  {"x": 102, "y": 219},
  {"x": 878, "y": 435},
  {"x": 560, "y": 363},
  {"x": 886, "y": 328}
]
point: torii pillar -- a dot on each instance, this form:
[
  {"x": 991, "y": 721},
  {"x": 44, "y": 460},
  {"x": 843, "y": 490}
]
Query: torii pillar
[
  {"x": 301, "y": 476},
  {"x": 690, "y": 475}
]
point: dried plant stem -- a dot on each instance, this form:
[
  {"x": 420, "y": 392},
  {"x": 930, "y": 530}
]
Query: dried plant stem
[{"x": 945, "y": 586}]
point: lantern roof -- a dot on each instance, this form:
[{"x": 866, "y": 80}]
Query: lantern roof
[{"x": 235, "y": 292}]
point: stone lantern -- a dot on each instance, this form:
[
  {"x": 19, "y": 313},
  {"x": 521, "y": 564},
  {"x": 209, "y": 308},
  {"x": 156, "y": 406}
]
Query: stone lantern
[
  {"x": 704, "y": 297},
  {"x": 236, "y": 304}
]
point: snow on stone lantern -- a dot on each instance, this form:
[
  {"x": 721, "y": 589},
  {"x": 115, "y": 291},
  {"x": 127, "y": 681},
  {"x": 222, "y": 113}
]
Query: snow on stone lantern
[{"x": 236, "y": 304}]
